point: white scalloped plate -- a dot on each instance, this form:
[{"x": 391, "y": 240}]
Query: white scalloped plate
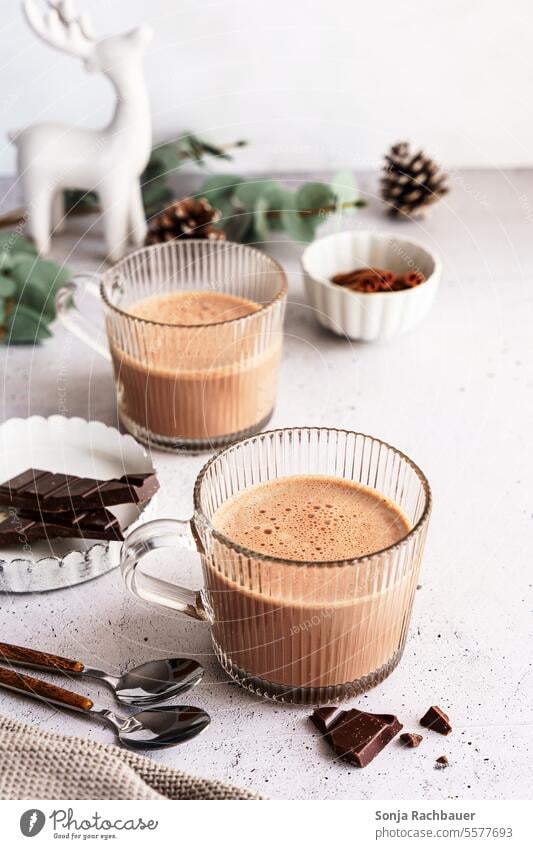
[{"x": 73, "y": 446}]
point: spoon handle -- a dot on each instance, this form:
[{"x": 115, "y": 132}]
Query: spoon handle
[
  {"x": 39, "y": 659},
  {"x": 42, "y": 690}
]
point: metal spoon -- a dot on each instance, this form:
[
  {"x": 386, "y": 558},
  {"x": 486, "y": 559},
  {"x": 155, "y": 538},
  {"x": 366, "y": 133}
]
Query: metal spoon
[
  {"x": 151, "y": 729},
  {"x": 154, "y": 681}
]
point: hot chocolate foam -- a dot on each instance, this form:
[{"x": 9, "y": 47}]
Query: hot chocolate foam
[
  {"x": 193, "y": 307},
  {"x": 311, "y": 518}
]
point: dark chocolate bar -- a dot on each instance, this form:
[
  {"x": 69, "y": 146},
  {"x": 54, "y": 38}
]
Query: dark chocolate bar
[
  {"x": 38, "y": 490},
  {"x": 355, "y": 735},
  {"x": 18, "y": 527}
]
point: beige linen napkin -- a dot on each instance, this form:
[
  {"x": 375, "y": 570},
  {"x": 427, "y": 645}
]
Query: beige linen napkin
[{"x": 36, "y": 764}]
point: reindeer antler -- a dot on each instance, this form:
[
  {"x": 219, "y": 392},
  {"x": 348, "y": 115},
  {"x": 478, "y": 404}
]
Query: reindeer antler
[{"x": 59, "y": 28}]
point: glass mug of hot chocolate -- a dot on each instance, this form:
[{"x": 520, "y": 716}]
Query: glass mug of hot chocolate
[
  {"x": 311, "y": 541},
  {"x": 194, "y": 333}
]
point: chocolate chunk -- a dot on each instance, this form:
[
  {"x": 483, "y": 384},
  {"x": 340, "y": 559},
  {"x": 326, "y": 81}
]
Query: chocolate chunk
[
  {"x": 355, "y": 735},
  {"x": 35, "y": 489},
  {"x": 24, "y": 526},
  {"x": 436, "y": 720},
  {"x": 411, "y": 740},
  {"x": 442, "y": 762},
  {"x": 324, "y": 717},
  {"x": 358, "y": 736}
]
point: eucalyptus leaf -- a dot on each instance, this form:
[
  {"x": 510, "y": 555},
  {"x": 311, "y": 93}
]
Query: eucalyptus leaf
[
  {"x": 155, "y": 170},
  {"x": 165, "y": 158},
  {"x": 2, "y": 311},
  {"x": 37, "y": 299},
  {"x": 299, "y": 227},
  {"x": 17, "y": 259},
  {"x": 261, "y": 224},
  {"x": 14, "y": 243},
  {"x": 239, "y": 227},
  {"x": 25, "y": 326},
  {"x": 37, "y": 281},
  {"x": 278, "y": 199},
  {"x": 247, "y": 193},
  {"x": 219, "y": 187},
  {"x": 344, "y": 187},
  {"x": 44, "y": 272},
  {"x": 8, "y": 287},
  {"x": 155, "y": 195},
  {"x": 225, "y": 208},
  {"x": 314, "y": 196},
  {"x": 278, "y": 196}
]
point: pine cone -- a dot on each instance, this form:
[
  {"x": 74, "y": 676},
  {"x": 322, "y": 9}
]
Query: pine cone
[
  {"x": 411, "y": 182},
  {"x": 191, "y": 218}
]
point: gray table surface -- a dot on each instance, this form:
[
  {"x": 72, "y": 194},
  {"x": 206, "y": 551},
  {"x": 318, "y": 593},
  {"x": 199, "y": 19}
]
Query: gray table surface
[{"x": 456, "y": 394}]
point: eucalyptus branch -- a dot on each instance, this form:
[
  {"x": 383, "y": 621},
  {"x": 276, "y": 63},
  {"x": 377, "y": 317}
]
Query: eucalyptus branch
[
  {"x": 326, "y": 210},
  {"x": 28, "y": 285},
  {"x": 219, "y": 149}
]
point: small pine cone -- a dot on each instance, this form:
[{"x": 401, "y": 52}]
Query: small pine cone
[
  {"x": 191, "y": 218},
  {"x": 411, "y": 182}
]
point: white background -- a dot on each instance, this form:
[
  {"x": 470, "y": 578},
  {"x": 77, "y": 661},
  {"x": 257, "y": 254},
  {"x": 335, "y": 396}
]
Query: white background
[{"x": 312, "y": 84}]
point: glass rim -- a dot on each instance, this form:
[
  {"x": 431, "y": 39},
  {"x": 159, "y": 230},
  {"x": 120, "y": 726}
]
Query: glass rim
[
  {"x": 283, "y": 290},
  {"x": 350, "y": 561}
]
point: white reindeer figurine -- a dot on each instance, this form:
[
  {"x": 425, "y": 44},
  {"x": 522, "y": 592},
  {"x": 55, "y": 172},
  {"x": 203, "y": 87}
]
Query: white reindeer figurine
[{"x": 54, "y": 157}]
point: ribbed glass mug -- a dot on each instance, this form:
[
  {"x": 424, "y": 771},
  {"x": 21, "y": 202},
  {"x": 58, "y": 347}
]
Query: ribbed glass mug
[
  {"x": 289, "y": 630},
  {"x": 189, "y": 386}
]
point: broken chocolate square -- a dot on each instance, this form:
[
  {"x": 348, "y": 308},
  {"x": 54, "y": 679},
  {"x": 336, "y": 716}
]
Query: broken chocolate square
[
  {"x": 410, "y": 740},
  {"x": 324, "y": 717},
  {"x": 442, "y": 762},
  {"x": 355, "y": 735},
  {"x": 436, "y": 720}
]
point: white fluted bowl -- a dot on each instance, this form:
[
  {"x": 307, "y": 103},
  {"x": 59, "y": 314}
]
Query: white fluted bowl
[{"x": 374, "y": 315}]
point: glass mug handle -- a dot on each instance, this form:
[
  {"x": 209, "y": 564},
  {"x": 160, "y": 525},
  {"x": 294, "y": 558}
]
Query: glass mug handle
[
  {"x": 161, "y": 533},
  {"x": 73, "y": 319}
]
